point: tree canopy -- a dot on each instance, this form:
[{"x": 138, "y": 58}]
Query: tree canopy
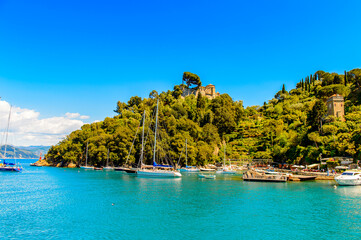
[{"x": 192, "y": 80}]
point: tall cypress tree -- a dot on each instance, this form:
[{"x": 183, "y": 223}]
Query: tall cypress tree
[
  {"x": 345, "y": 78},
  {"x": 311, "y": 79},
  {"x": 302, "y": 84},
  {"x": 283, "y": 89}
]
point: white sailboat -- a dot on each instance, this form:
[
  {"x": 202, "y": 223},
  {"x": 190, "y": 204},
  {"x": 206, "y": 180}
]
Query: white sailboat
[
  {"x": 227, "y": 170},
  {"x": 8, "y": 166},
  {"x": 86, "y": 159},
  {"x": 188, "y": 168},
  {"x": 107, "y": 165},
  {"x": 157, "y": 170}
]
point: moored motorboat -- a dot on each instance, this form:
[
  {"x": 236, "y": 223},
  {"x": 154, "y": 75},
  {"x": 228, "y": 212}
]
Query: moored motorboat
[
  {"x": 262, "y": 177},
  {"x": 349, "y": 178},
  {"x": 87, "y": 167},
  {"x": 207, "y": 169},
  {"x": 34, "y": 165},
  {"x": 121, "y": 169}
]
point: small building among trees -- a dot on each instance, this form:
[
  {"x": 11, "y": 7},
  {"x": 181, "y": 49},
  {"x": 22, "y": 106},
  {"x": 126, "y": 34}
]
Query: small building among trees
[
  {"x": 208, "y": 91},
  {"x": 193, "y": 85},
  {"x": 336, "y": 106}
]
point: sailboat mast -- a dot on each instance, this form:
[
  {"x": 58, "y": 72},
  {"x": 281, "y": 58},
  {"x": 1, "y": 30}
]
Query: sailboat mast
[
  {"x": 141, "y": 154},
  {"x": 7, "y": 132},
  {"x": 224, "y": 157},
  {"x": 186, "y": 153},
  {"x": 14, "y": 156},
  {"x": 86, "y": 154},
  {"x": 155, "y": 132},
  {"x": 107, "y": 158}
]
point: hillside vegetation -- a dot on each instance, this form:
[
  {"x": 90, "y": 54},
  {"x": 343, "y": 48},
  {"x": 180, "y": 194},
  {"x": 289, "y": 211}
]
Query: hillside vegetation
[{"x": 292, "y": 127}]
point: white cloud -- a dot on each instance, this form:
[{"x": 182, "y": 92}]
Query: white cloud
[
  {"x": 27, "y": 128},
  {"x": 72, "y": 115},
  {"x": 76, "y": 115},
  {"x": 84, "y": 117}
]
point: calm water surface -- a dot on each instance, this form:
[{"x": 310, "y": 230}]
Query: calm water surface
[{"x": 54, "y": 203}]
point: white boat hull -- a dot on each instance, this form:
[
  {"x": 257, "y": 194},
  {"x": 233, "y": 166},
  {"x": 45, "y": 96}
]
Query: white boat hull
[
  {"x": 349, "y": 178},
  {"x": 86, "y": 167},
  {"x": 158, "y": 174},
  {"x": 207, "y": 170},
  {"x": 348, "y": 182},
  {"x": 189, "y": 170}
]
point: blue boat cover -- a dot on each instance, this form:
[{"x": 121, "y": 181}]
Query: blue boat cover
[
  {"x": 9, "y": 163},
  {"x": 160, "y": 165},
  {"x": 190, "y": 166}
]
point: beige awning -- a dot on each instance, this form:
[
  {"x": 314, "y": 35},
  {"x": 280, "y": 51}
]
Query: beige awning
[{"x": 316, "y": 165}]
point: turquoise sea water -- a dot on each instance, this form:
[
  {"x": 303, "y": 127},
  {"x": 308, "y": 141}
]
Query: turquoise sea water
[{"x": 55, "y": 203}]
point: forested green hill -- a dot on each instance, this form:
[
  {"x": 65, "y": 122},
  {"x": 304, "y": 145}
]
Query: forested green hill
[{"x": 292, "y": 127}]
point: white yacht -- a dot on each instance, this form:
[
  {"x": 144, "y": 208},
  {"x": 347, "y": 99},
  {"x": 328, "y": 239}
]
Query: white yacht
[{"x": 349, "y": 178}]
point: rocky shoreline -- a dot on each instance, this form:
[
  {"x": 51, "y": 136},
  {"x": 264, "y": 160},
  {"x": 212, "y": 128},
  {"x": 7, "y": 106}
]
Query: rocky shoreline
[{"x": 44, "y": 163}]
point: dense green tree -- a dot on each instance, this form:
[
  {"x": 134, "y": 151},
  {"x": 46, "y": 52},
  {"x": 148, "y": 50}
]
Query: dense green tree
[
  {"x": 177, "y": 91},
  {"x": 192, "y": 79},
  {"x": 316, "y": 115},
  {"x": 153, "y": 94}
]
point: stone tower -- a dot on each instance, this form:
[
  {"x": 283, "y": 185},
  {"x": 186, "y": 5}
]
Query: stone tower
[{"x": 336, "y": 106}]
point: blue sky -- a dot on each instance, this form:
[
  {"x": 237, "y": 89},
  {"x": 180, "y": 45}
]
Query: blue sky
[{"x": 59, "y": 57}]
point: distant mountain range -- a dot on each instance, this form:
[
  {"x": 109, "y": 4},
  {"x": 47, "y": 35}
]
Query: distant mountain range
[{"x": 23, "y": 152}]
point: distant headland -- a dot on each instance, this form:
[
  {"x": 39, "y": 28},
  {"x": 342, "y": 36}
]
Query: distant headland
[{"x": 320, "y": 117}]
